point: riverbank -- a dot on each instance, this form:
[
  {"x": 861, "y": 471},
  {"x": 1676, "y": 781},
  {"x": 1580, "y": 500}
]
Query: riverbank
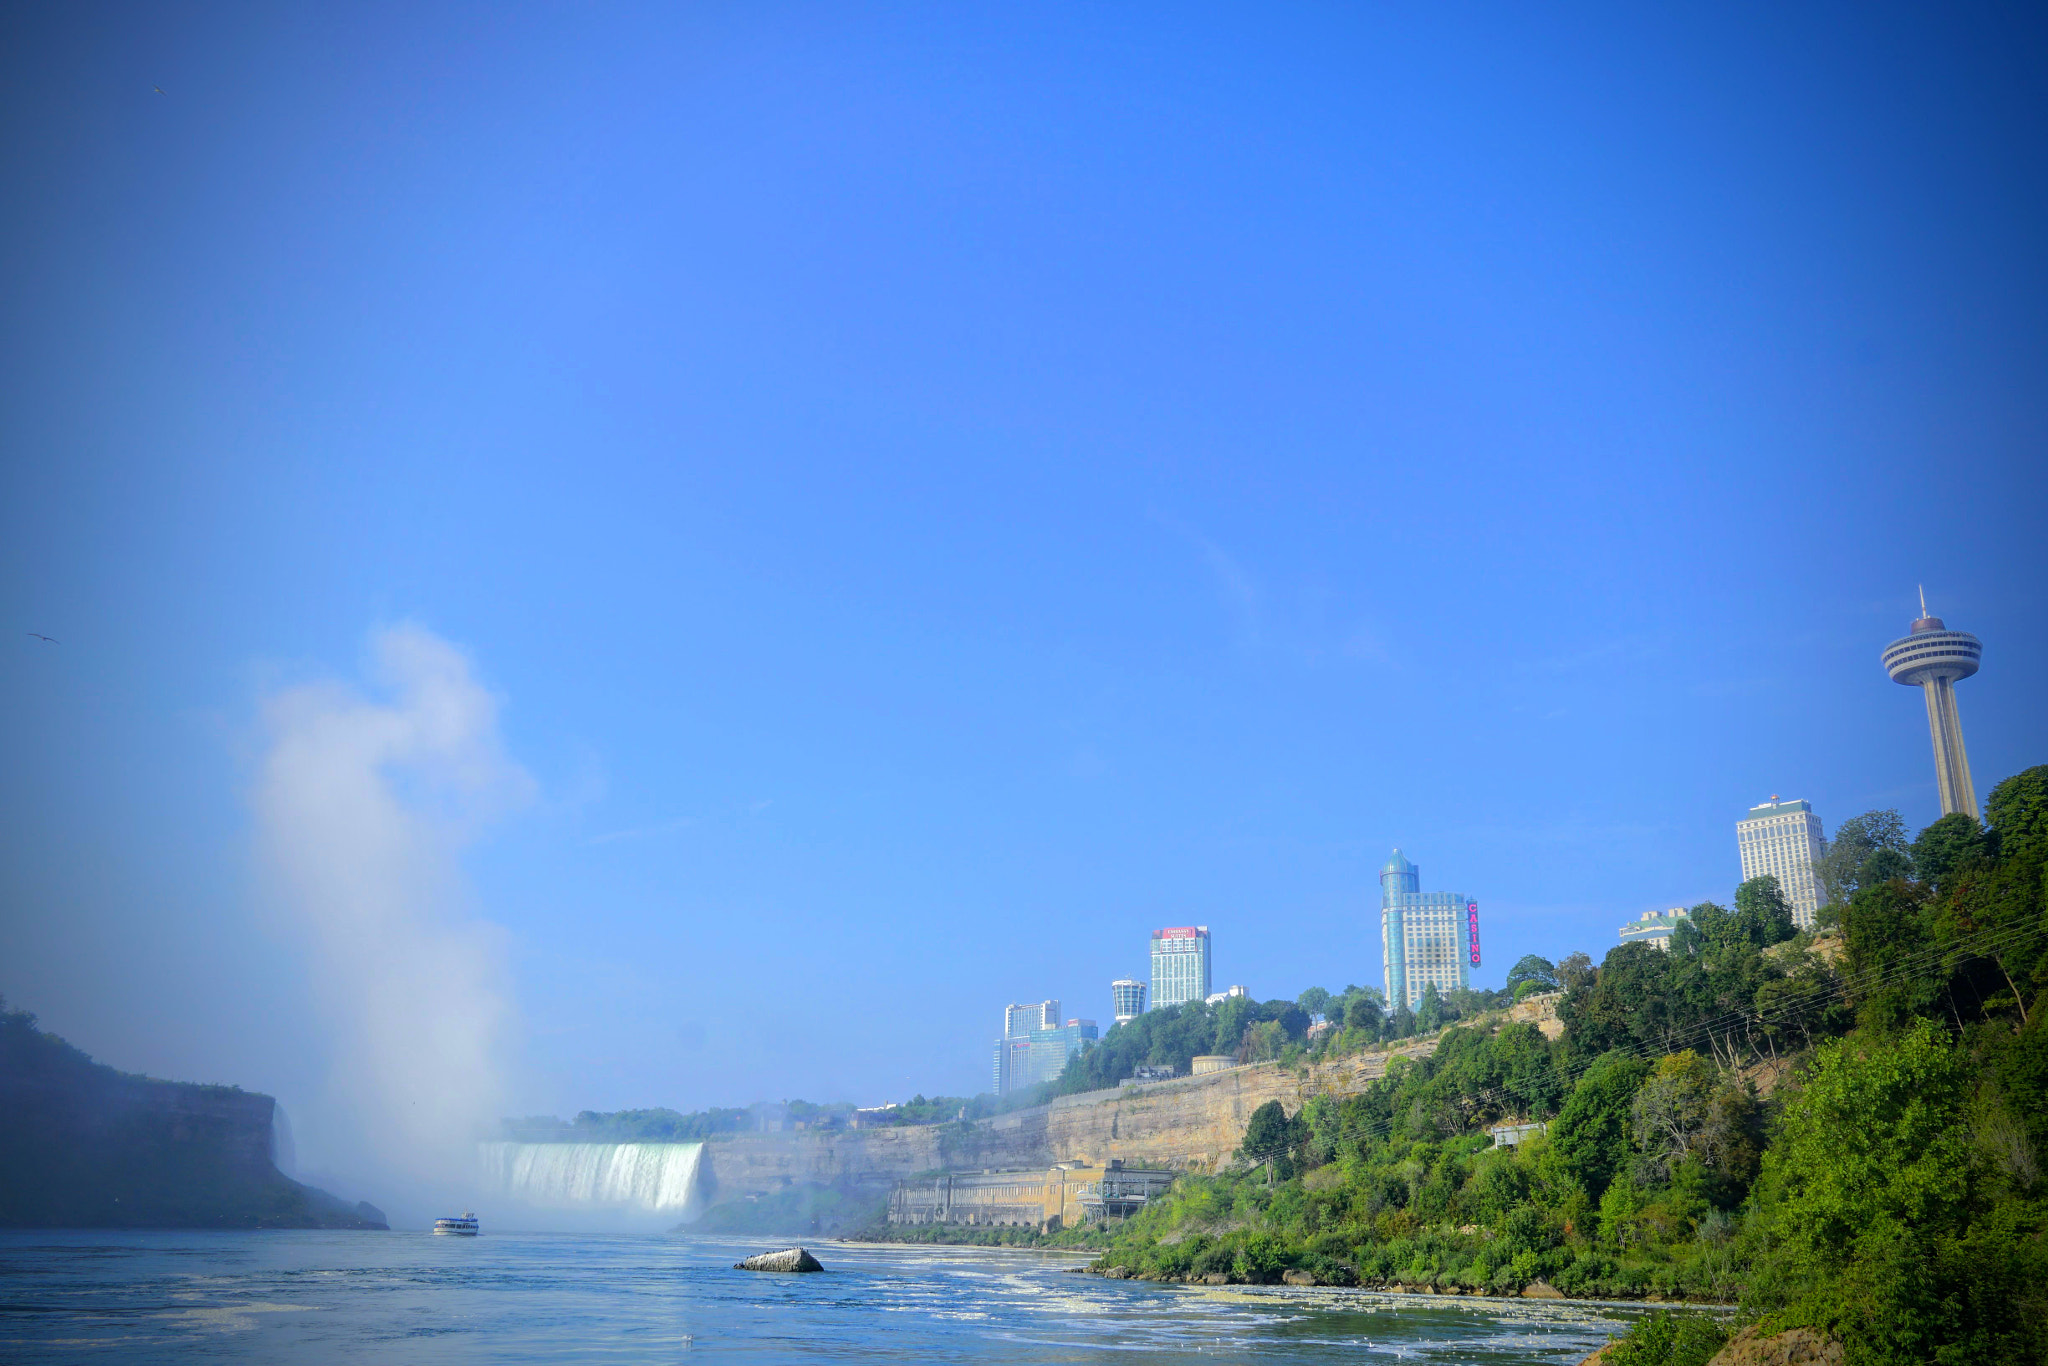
[{"x": 1304, "y": 1280}]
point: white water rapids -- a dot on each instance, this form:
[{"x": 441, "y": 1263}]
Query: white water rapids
[{"x": 651, "y": 1177}]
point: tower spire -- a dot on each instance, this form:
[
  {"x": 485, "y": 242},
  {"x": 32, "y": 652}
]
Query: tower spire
[{"x": 1923, "y": 602}]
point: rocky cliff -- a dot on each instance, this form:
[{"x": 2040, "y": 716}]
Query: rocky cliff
[
  {"x": 1189, "y": 1124},
  {"x": 85, "y": 1146}
]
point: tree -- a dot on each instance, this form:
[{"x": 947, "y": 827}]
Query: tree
[
  {"x": 1429, "y": 1012},
  {"x": 1540, "y": 973},
  {"x": 1874, "y": 1201},
  {"x": 1944, "y": 845},
  {"x": 1575, "y": 970},
  {"x": 2017, "y": 811},
  {"x": 1291, "y": 1018},
  {"x": 1766, "y": 916},
  {"x": 1363, "y": 1013},
  {"x": 1233, "y": 1015},
  {"x": 1843, "y": 868},
  {"x": 1270, "y": 1136},
  {"x": 1590, "y": 1137},
  {"x": 1315, "y": 1000}
]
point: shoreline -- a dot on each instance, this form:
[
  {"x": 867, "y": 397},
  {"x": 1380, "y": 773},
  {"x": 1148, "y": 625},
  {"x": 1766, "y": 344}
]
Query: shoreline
[{"x": 1282, "y": 1288}]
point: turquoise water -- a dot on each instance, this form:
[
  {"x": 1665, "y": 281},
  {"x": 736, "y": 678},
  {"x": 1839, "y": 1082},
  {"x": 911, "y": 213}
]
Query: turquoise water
[{"x": 411, "y": 1297}]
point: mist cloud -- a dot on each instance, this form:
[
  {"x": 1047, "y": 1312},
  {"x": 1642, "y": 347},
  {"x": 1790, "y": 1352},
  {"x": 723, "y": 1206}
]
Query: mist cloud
[{"x": 363, "y": 804}]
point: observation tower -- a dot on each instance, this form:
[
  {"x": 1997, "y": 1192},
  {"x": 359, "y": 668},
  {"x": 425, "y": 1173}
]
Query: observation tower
[{"x": 1932, "y": 658}]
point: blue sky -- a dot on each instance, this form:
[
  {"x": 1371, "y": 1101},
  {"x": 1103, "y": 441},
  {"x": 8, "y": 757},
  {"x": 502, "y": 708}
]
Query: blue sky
[{"x": 939, "y": 492}]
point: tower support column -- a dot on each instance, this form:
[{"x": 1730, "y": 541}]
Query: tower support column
[{"x": 1951, "y": 760}]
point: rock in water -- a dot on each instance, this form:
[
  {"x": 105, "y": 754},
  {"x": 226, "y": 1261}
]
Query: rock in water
[{"x": 789, "y": 1259}]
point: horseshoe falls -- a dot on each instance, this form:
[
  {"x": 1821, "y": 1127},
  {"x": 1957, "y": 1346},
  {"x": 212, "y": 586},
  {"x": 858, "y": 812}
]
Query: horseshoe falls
[{"x": 619, "y": 1178}]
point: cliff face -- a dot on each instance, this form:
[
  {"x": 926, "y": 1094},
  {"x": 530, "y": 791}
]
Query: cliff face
[
  {"x": 1190, "y": 1124},
  {"x": 85, "y": 1146}
]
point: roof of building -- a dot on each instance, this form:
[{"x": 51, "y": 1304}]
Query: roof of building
[
  {"x": 1762, "y": 809},
  {"x": 1397, "y": 864}
]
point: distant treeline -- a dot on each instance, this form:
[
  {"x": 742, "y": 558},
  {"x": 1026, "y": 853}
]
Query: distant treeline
[
  {"x": 1264, "y": 1031},
  {"x": 662, "y": 1125}
]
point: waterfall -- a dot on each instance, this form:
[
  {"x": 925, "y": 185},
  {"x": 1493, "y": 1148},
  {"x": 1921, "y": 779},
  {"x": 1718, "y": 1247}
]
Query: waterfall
[{"x": 655, "y": 1177}]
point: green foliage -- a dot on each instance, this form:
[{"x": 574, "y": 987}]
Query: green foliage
[
  {"x": 1590, "y": 1139},
  {"x": 1314, "y": 1000},
  {"x": 1946, "y": 845},
  {"x": 1667, "y": 1339},
  {"x": 1765, "y": 915},
  {"x": 1429, "y": 1014},
  {"x": 1848, "y": 863},
  {"x": 1892, "y": 1192},
  {"x": 1364, "y": 1015},
  {"x": 2017, "y": 811},
  {"x": 1883, "y": 1225},
  {"x": 1540, "y": 974}
]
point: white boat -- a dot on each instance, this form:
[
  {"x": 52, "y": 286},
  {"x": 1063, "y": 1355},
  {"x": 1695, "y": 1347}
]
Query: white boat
[{"x": 462, "y": 1226}]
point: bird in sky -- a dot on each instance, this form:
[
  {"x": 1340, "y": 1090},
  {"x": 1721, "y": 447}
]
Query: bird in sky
[
  {"x": 50, "y": 640},
  {"x": 159, "y": 89}
]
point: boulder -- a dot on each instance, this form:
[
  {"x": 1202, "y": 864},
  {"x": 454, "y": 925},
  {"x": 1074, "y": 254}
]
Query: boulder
[
  {"x": 1794, "y": 1347},
  {"x": 1117, "y": 1273},
  {"x": 1294, "y": 1276},
  {"x": 789, "y": 1259},
  {"x": 1216, "y": 1278},
  {"x": 1541, "y": 1290}
]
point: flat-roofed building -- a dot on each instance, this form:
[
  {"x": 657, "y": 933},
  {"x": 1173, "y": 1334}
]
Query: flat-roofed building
[
  {"x": 1129, "y": 995},
  {"x": 1784, "y": 840},
  {"x": 1180, "y": 965}
]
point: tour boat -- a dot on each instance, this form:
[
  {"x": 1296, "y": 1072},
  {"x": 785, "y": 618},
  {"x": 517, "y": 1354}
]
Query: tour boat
[{"x": 462, "y": 1227}]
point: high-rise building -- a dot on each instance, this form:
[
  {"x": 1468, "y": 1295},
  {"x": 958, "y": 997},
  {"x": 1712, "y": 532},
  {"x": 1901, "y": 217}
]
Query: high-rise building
[
  {"x": 1425, "y": 937},
  {"x": 1784, "y": 839},
  {"x": 1654, "y": 927},
  {"x": 1933, "y": 658},
  {"x": 1013, "y": 1050},
  {"x": 1040, "y": 1055},
  {"x": 1130, "y": 998},
  {"x": 1052, "y": 1047},
  {"x": 1020, "y": 1020},
  {"x": 1180, "y": 965}
]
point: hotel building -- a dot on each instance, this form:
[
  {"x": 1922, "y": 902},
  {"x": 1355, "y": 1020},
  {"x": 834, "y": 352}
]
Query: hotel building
[
  {"x": 1425, "y": 937},
  {"x": 1180, "y": 965},
  {"x": 1783, "y": 839}
]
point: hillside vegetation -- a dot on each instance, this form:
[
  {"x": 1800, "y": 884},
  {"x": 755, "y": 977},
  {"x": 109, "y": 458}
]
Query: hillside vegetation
[{"x": 1842, "y": 1133}]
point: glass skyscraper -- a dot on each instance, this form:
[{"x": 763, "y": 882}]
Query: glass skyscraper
[
  {"x": 1130, "y": 998},
  {"x": 1180, "y": 965},
  {"x": 1013, "y": 1060},
  {"x": 1425, "y": 937}
]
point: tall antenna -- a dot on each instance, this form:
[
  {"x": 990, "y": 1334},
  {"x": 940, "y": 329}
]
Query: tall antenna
[{"x": 1923, "y": 600}]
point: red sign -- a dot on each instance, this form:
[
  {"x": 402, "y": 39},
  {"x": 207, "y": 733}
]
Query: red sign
[
  {"x": 1472, "y": 928},
  {"x": 1183, "y": 932}
]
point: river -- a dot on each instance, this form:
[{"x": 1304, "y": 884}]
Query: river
[{"x": 512, "y": 1297}]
